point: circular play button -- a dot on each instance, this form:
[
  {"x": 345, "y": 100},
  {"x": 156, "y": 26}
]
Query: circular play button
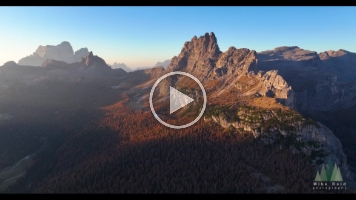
[{"x": 178, "y": 100}]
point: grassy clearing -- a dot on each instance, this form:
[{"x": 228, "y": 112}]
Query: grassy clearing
[{"x": 267, "y": 102}]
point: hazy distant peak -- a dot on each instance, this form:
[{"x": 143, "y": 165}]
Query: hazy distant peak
[
  {"x": 61, "y": 52},
  {"x": 122, "y": 66},
  {"x": 154, "y": 70},
  {"x": 82, "y": 50},
  {"x": 164, "y": 64},
  {"x": 9, "y": 63},
  {"x": 65, "y": 43},
  {"x": 339, "y": 53},
  {"x": 80, "y": 54},
  {"x": 55, "y": 50},
  {"x": 115, "y": 63},
  {"x": 286, "y": 48},
  {"x": 293, "y": 53}
]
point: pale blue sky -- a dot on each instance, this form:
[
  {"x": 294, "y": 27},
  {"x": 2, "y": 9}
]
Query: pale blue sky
[{"x": 142, "y": 36}]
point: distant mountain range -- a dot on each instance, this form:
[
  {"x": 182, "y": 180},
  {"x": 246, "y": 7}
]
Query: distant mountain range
[
  {"x": 302, "y": 76},
  {"x": 64, "y": 52},
  {"x": 164, "y": 64},
  {"x": 61, "y": 52},
  {"x": 122, "y": 66},
  {"x": 303, "y": 80}
]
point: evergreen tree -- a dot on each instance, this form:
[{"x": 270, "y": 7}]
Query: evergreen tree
[
  {"x": 338, "y": 176},
  {"x": 333, "y": 175},
  {"x": 323, "y": 174},
  {"x": 329, "y": 169},
  {"x": 317, "y": 178}
]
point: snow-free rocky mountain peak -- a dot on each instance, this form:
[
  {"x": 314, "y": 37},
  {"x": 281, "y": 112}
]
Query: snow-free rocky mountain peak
[{"x": 61, "y": 52}]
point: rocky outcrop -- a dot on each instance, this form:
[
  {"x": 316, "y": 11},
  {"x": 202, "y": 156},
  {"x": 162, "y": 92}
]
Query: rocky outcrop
[
  {"x": 202, "y": 58},
  {"x": 91, "y": 60},
  {"x": 274, "y": 82},
  {"x": 154, "y": 72},
  {"x": 274, "y": 85},
  {"x": 301, "y": 79},
  {"x": 320, "y": 82},
  {"x": 268, "y": 124},
  {"x": 197, "y": 57},
  {"x": 240, "y": 61},
  {"x": 62, "y": 52},
  {"x": 96, "y": 68}
]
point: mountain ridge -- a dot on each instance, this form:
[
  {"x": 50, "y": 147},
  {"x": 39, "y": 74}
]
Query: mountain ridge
[
  {"x": 61, "y": 52},
  {"x": 262, "y": 93}
]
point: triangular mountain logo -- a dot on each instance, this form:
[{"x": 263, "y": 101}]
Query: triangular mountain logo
[{"x": 330, "y": 173}]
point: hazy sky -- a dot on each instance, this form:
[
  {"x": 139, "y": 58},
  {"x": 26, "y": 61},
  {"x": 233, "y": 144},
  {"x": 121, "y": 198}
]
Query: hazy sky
[{"x": 142, "y": 36}]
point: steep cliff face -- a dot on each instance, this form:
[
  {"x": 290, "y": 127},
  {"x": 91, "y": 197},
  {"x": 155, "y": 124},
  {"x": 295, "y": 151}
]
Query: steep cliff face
[
  {"x": 63, "y": 52},
  {"x": 340, "y": 62},
  {"x": 320, "y": 82},
  {"x": 202, "y": 58},
  {"x": 197, "y": 56},
  {"x": 308, "y": 136},
  {"x": 301, "y": 79},
  {"x": 326, "y": 95},
  {"x": 274, "y": 85},
  {"x": 239, "y": 61}
]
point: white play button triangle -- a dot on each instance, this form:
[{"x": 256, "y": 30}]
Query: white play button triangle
[{"x": 177, "y": 100}]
